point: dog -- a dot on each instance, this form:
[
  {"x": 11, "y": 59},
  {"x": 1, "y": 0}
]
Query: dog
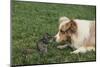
[{"x": 81, "y": 34}]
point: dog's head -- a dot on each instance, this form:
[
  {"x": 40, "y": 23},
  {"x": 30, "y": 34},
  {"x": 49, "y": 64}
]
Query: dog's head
[{"x": 66, "y": 29}]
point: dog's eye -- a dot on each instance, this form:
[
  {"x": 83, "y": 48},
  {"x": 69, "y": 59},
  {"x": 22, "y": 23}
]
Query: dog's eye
[
  {"x": 67, "y": 30},
  {"x": 62, "y": 31}
]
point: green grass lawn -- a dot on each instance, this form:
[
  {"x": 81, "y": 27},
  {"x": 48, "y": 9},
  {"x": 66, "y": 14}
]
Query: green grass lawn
[{"x": 31, "y": 20}]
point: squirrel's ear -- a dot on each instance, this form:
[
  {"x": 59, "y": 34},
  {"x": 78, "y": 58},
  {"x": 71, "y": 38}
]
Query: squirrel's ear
[
  {"x": 47, "y": 34},
  {"x": 62, "y": 19}
]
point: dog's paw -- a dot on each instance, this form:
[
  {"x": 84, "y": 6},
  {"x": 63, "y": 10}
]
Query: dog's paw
[
  {"x": 60, "y": 47},
  {"x": 74, "y": 52}
]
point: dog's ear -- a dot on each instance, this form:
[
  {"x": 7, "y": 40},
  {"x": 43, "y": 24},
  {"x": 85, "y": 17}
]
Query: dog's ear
[
  {"x": 63, "y": 19},
  {"x": 67, "y": 26},
  {"x": 73, "y": 28}
]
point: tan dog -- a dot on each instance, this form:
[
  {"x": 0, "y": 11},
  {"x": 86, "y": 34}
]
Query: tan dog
[{"x": 81, "y": 33}]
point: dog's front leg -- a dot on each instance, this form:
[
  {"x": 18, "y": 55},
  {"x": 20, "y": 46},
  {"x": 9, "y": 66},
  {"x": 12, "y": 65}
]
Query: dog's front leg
[
  {"x": 62, "y": 46},
  {"x": 79, "y": 50},
  {"x": 83, "y": 49}
]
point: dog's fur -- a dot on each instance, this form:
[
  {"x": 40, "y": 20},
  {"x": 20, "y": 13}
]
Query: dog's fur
[{"x": 80, "y": 32}]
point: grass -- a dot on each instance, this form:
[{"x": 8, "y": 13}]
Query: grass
[{"x": 31, "y": 20}]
